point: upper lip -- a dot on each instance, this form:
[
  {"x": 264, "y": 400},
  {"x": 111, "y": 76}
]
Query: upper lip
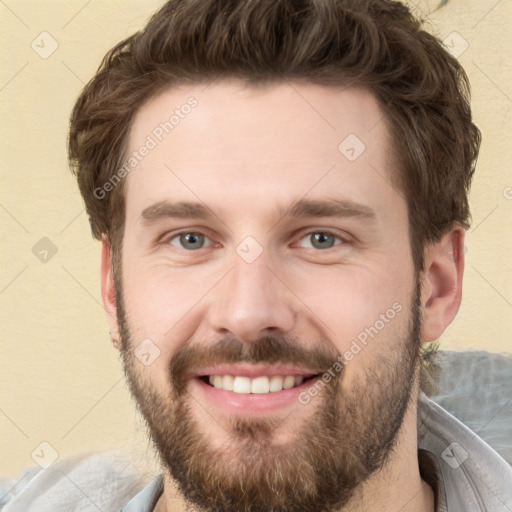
[{"x": 253, "y": 370}]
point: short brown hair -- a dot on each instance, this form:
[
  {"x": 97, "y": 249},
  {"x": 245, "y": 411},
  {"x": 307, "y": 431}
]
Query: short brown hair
[{"x": 376, "y": 44}]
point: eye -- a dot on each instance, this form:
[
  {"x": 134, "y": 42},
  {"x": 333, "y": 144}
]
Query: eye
[
  {"x": 320, "y": 240},
  {"x": 190, "y": 241}
]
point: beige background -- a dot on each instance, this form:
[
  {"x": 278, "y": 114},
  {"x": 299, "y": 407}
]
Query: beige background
[{"x": 61, "y": 381}]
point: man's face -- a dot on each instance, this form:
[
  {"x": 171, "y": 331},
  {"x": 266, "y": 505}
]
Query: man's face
[{"x": 293, "y": 255}]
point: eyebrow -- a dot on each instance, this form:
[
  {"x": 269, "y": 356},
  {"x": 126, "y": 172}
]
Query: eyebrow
[
  {"x": 300, "y": 209},
  {"x": 328, "y": 208},
  {"x": 178, "y": 210}
]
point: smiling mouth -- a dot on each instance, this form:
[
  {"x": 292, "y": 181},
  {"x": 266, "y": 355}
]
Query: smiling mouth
[{"x": 256, "y": 385}]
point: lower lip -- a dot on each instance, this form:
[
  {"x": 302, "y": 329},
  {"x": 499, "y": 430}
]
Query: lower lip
[{"x": 251, "y": 404}]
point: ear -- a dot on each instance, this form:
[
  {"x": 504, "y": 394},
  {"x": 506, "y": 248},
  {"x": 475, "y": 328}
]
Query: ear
[
  {"x": 442, "y": 283},
  {"x": 108, "y": 292}
]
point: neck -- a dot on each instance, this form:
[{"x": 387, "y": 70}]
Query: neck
[{"x": 398, "y": 484}]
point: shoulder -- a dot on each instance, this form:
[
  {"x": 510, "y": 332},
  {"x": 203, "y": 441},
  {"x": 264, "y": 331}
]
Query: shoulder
[
  {"x": 476, "y": 388},
  {"x": 97, "y": 481},
  {"x": 466, "y": 428}
]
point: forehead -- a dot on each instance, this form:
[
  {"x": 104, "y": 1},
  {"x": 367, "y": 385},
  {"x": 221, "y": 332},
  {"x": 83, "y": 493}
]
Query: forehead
[{"x": 226, "y": 141}]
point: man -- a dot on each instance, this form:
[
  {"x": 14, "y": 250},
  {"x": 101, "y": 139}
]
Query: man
[{"x": 280, "y": 189}]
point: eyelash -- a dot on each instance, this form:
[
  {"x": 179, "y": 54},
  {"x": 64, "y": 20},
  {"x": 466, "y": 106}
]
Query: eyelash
[{"x": 167, "y": 239}]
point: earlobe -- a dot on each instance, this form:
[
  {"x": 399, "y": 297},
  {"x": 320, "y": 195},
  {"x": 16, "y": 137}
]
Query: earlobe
[
  {"x": 442, "y": 283},
  {"x": 108, "y": 292}
]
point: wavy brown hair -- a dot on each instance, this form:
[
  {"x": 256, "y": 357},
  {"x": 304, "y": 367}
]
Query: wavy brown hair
[{"x": 376, "y": 44}]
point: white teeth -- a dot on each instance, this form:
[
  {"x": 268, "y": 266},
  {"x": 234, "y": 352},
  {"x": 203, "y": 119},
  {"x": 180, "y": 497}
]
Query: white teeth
[
  {"x": 288, "y": 382},
  {"x": 242, "y": 384},
  {"x": 227, "y": 382},
  {"x": 276, "y": 383},
  {"x": 258, "y": 385}
]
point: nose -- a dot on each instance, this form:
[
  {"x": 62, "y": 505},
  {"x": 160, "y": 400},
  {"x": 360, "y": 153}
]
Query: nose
[{"x": 252, "y": 301}]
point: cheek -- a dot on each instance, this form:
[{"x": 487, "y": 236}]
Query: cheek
[
  {"x": 165, "y": 307},
  {"x": 158, "y": 297},
  {"x": 367, "y": 319},
  {"x": 356, "y": 303}
]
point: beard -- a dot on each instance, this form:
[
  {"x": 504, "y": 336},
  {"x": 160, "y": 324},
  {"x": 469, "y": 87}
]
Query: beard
[{"x": 347, "y": 435}]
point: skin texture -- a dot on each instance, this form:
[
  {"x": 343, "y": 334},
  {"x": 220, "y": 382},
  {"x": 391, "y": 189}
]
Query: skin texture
[{"x": 247, "y": 155}]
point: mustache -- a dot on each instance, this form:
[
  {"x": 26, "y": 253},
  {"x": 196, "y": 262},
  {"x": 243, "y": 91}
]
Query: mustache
[{"x": 266, "y": 349}]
